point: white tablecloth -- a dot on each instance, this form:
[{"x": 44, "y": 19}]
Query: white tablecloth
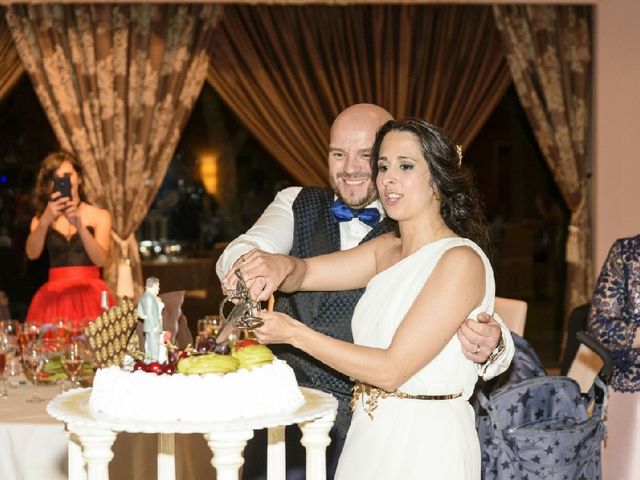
[{"x": 33, "y": 446}]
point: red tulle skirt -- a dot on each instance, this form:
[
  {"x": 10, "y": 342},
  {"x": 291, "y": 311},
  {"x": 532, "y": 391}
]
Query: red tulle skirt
[{"x": 71, "y": 294}]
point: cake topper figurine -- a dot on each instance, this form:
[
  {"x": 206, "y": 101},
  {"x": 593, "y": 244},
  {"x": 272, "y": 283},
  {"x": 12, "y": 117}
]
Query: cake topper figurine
[
  {"x": 242, "y": 315},
  {"x": 150, "y": 311}
]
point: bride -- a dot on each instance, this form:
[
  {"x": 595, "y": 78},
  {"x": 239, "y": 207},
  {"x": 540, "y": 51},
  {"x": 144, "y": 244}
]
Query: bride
[{"x": 411, "y": 416}]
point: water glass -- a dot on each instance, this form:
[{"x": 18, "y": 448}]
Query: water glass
[
  {"x": 33, "y": 359},
  {"x": 13, "y": 369}
]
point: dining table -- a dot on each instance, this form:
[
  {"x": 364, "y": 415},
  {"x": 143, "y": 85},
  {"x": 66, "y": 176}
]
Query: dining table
[
  {"x": 36, "y": 446},
  {"x": 32, "y": 444}
]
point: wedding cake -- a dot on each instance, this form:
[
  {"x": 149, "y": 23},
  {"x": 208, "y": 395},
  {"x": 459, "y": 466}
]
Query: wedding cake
[{"x": 265, "y": 390}]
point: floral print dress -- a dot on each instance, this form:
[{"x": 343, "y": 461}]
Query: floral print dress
[{"x": 614, "y": 316}]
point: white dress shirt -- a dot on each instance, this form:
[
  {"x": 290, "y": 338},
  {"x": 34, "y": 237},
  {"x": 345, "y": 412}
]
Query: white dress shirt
[{"x": 273, "y": 233}]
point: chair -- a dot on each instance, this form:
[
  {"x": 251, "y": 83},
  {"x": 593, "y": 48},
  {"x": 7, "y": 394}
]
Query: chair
[
  {"x": 173, "y": 320},
  {"x": 585, "y": 367},
  {"x": 579, "y": 361},
  {"x": 198, "y": 306},
  {"x": 577, "y": 322},
  {"x": 513, "y": 313}
]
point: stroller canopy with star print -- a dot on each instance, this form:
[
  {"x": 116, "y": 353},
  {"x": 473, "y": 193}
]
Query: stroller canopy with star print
[{"x": 533, "y": 426}]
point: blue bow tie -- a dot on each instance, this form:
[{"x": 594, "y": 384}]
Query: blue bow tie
[{"x": 344, "y": 213}]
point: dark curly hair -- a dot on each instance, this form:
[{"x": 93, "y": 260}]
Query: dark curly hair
[
  {"x": 44, "y": 180},
  {"x": 460, "y": 205}
]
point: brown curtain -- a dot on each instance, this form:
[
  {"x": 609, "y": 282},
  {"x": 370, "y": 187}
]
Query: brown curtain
[
  {"x": 288, "y": 71},
  {"x": 10, "y": 65},
  {"x": 549, "y": 54},
  {"x": 117, "y": 83}
]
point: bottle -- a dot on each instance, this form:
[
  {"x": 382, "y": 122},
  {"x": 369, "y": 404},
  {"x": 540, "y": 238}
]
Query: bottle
[{"x": 104, "y": 301}]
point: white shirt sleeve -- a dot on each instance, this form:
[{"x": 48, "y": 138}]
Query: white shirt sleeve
[
  {"x": 272, "y": 232},
  {"x": 502, "y": 361}
]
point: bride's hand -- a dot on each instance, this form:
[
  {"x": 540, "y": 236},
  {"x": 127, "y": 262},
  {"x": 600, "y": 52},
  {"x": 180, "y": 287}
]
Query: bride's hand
[{"x": 278, "y": 328}]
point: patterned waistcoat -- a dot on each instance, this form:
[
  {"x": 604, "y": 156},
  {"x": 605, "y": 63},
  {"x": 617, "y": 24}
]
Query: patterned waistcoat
[{"x": 316, "y": 233}]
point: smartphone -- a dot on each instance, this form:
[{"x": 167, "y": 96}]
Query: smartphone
[{"x": 62, "y": 185}]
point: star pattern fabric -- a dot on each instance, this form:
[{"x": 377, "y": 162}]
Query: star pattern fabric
[{"x": 539, "y": 427}]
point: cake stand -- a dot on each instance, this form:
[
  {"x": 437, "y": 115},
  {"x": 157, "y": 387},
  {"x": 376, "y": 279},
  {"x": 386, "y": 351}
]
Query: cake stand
[{"x": 91, "y": 436}]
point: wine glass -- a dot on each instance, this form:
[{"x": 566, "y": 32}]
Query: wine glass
[
  {"x": 214, "y": 322},
  {"x": 76, "y": 327},
  {"x": 62, "y": 328},
  {"x": 33, "y": 358},
  {"x": 10, "y": 327},
  {"x": 73, "y": 357},
  {"x": 5, "y": 350},
  {"x": 204, "y": 327},
  {"x": 28, "y": 333},
  {"x": 13, "y": 368}
]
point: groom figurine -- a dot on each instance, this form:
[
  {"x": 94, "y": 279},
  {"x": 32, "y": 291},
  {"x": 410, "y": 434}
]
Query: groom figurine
[{"x": 150, "y": 311}]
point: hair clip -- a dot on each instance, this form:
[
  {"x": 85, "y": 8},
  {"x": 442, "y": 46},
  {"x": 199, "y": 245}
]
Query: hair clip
[{"x": 459, "y": 152}]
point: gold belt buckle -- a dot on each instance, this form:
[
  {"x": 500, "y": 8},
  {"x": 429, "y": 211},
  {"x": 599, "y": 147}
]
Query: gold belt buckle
[{"x": 374, "y": 394}]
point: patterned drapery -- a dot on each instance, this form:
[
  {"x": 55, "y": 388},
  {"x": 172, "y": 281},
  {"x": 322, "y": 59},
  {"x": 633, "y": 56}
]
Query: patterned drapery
[
  {"x": 549, "y": 54},
  {"x": 11, "y": 68},
  {"x": 288, "y": 71},
  {"x": 117, "y": 83}
]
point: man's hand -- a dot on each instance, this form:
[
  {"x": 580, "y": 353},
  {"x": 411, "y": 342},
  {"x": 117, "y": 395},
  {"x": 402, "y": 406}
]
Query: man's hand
[
  {"x": 479, "y": 338},
  {"x": 262, "y": 272}
]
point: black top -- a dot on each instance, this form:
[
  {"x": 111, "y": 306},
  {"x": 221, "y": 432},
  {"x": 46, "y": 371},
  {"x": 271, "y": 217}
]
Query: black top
[{"x": 66, "y": 253}]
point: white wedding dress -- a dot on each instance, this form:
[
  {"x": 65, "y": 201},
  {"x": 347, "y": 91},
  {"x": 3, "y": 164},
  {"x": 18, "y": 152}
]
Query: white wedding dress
[{"x": 415, "y": 439}]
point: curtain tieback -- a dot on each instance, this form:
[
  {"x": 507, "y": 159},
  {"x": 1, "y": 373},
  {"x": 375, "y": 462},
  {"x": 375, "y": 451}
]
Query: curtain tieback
[
  {"x": 575, "y": 234},
  {"x": 124, "y": 283}
]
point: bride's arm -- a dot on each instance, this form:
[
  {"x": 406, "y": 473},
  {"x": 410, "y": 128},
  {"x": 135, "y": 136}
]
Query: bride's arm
[
  {"x": 343, "y": 270},
  {"x": 455, "y": 287}
]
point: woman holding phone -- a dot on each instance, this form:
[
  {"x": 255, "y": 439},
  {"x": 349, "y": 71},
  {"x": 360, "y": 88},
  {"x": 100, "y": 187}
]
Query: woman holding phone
[{"x": 76, "y": 235}]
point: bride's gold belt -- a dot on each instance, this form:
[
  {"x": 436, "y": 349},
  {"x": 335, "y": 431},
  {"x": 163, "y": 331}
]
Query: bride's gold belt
[{"x": 374, "y": 394}]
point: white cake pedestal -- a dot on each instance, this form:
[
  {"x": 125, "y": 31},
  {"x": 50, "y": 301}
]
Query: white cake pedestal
[{"x": 92, "y": 435}]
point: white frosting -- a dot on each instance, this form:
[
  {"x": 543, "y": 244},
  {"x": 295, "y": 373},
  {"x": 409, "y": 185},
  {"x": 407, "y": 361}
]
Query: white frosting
[{"x": 266, "y": 390}]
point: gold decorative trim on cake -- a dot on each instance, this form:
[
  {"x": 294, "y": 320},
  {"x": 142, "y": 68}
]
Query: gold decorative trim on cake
[{"x": 109, "y": 334}]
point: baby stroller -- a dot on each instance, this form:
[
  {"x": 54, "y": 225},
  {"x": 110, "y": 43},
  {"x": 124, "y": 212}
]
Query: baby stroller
[{"x": 533, "y": 426}]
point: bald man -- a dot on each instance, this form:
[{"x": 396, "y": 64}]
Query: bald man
[{"x": 310, "y": 221}]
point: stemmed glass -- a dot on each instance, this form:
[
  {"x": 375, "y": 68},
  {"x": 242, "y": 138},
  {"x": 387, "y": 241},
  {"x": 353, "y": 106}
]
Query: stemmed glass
[
  {"x": 33, "y": 359},
  {"x": 62, "y": 328},
  {"x": 11, "y": 329},
  {"x": 76, "y": 327},
  {"x": 27, "y": 334},
  {"x": 74, "y": 355},
  {"x": 6, "y": 349}
]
